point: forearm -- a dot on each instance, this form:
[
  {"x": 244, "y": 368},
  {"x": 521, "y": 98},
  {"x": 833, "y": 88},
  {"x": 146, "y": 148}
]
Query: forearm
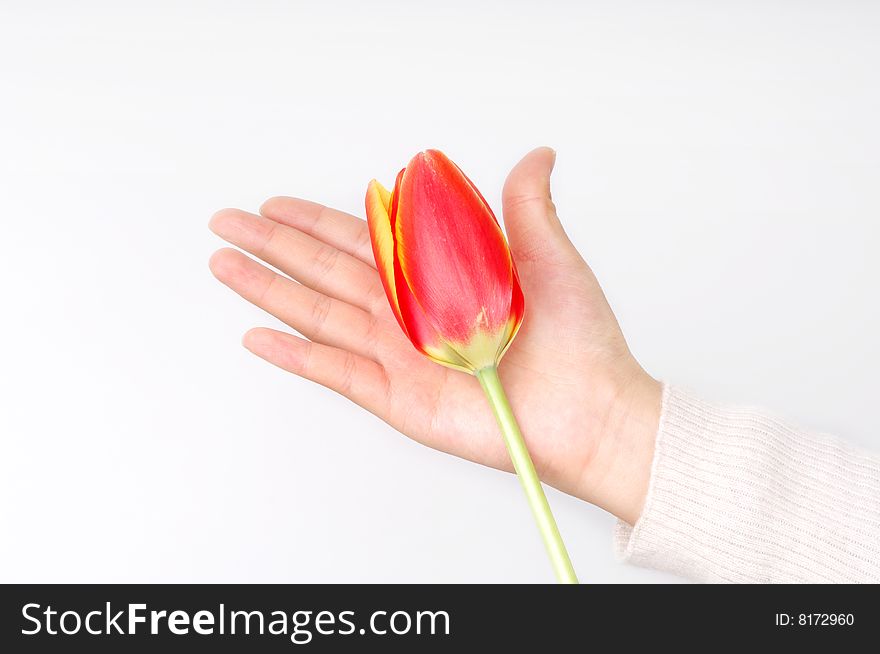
[{"x": 738, "y": 496}]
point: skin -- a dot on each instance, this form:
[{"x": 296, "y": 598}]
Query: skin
[{"x": 588, "y": 411}]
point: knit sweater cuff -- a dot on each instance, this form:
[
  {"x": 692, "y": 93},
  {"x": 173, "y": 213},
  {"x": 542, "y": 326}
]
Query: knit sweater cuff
[{"x": 738, "y": 496}]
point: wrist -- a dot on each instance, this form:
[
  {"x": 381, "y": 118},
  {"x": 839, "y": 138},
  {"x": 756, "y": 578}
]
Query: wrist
[{"x": 618, "y": 474}]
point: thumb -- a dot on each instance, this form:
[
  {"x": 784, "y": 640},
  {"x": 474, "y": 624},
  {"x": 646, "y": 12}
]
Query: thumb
[{"x": 533, "y": 228}]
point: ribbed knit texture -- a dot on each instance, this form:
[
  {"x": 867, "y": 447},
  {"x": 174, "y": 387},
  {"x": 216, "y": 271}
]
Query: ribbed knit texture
[{"x": 739, "y": 496}]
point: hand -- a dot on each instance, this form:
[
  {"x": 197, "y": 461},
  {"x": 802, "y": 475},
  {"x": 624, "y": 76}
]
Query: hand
[{"x": 587, "y": 410}]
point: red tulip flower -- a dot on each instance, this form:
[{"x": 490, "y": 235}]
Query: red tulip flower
[
  {"x": 445, "y": 264},
  {"x": 453, "y": 287}
]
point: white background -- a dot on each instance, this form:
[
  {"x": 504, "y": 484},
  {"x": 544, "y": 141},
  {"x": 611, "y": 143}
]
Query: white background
[{"x": 718, "y": 166}]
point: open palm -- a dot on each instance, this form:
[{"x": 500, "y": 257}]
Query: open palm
[{"x": 575, "y": 388}]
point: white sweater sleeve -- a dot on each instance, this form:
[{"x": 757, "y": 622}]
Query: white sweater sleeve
[{"x": 739, "y": 496}]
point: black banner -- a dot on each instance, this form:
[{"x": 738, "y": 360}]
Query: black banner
[{"x": 319, "y": 618}]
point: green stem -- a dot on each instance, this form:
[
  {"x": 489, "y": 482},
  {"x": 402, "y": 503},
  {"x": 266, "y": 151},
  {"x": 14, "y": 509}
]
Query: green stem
[{"x": 525, "y": 469}]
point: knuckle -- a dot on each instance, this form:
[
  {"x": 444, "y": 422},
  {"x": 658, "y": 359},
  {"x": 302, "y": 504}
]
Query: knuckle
[
  {"x": 320, "y": 311},
  {"x": 347, "y": 374},
  {"x": 321, "y": 217},
  {"x": 535, "y": 202},
  {"x": 372, "y": 336},
  {"x": 325, "y": 259},
  {"x": 269, "y": 231},
  {"x": 377, "y": 301},
  {"x": 363, "y": 244},
  {"x": 268, "y": 289}
]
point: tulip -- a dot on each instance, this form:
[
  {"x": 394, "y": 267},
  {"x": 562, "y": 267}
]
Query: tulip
[{"x": 453, "y": 288}]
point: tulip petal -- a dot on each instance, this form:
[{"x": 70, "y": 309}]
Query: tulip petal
[
  {"x": 421, "y": 333},
  {"x": 452, "y": 252},
  {"x": 378, "y": 205},
  {"x": 475, "y": 190},
  {"x": 381, "y": 206},
  {"x": 517, "y": 311}
]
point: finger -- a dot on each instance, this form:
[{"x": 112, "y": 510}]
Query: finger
[
  {"x": 316, "y": 316},
  {"x": 317, "y": 265},
  {"x": 533, "y": 228},
  {"x": 336, "y": 228},
  {"x": 361, "y": 380}
]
